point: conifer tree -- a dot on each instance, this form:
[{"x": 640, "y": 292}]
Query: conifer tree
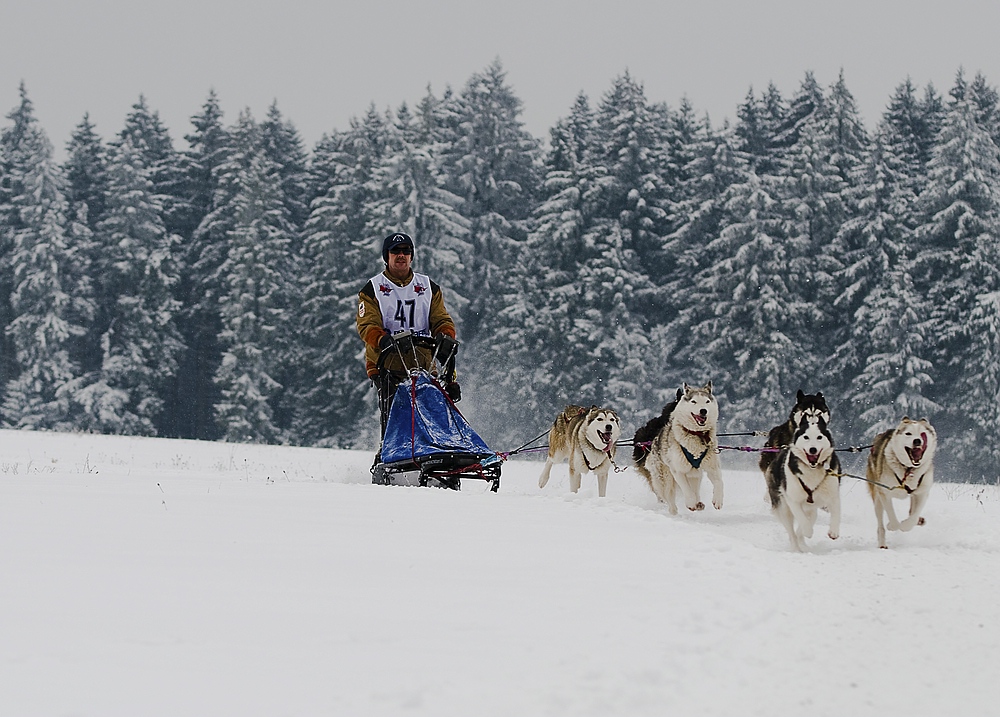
[
  {"x": 164, "y": 164},
  {"x": 718, "y": 173},
  {"x": 86, "y": 172},
  {"x": 135, "y": 278},
  {"x": 881, "y": 364},
  {"x": 44, "y": 300},
  {"x": 954, "y": 241},
  {"x": 208, "y": 147},
  {"x": 207, "y": 252},
  {"x": 751, "y": 341},
  {"x": 283, "y": 145},
  {"x": 492, "y": 166},
  {"x": 258, "y": 295},
  {"x": 333, "y": 393},
  {"x": 956, "y": 256},
  {"x": 12, "y": 138},
  {"x": 535, "y": 325}
]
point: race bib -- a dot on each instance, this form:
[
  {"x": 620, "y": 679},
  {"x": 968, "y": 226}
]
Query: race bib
[{"x": 405, "y": 308}]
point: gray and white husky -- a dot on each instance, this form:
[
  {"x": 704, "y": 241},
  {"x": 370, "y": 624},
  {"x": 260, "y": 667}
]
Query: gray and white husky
[
  {"x": 804, "y": 477},
  {"x": 684, "y": 449},
  {"x": 901, "y": 465}
]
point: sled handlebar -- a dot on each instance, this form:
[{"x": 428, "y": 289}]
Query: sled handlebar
[{"x": 405, "y": 343}]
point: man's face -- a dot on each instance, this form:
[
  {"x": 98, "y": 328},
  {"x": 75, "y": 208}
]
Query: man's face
[{"x": 400, "y": 259}]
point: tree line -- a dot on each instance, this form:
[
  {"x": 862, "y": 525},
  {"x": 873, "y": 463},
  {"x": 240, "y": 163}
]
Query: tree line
[{"x": 209, "y": 292}]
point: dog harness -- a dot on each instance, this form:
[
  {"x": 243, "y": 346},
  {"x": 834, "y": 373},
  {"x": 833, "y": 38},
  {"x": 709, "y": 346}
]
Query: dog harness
[
  {"x": 696, "y": 462},
  {"x": 906, "y": 476},
  {"x": 809, "y": 492},
  {"x": 798, "y": 476}
]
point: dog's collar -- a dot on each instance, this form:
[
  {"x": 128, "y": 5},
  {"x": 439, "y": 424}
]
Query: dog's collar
[{"x": 705, "y": 436}]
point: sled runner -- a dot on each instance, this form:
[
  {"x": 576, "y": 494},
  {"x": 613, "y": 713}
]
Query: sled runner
[{"x": 424, "y": 432}]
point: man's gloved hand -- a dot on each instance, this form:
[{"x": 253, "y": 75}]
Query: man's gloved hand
[
  {"x": 454, "y": 391},
  {"x": 384, "y": 343}
]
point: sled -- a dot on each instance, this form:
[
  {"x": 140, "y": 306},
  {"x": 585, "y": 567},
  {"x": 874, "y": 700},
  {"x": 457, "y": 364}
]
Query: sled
[{"x": 424, "y": 432}]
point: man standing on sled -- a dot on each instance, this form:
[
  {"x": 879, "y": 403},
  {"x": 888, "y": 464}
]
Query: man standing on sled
[{"x": 396, "y": 301}]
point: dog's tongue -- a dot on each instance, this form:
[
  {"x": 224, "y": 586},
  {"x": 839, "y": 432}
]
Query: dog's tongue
[
  {"x": 606, "y": 437},
  {"x": 917, "y": 452},
  {"x": 698, "y": 418},
  {"x": 813, "y": 458}
]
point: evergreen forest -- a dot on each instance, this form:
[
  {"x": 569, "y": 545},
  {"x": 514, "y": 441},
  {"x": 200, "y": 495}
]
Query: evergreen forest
[{"x": 207, "y": 289}]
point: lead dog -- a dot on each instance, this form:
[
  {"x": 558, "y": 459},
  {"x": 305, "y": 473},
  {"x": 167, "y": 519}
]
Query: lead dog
[
  {"x": 901, "y": 464},
  {"x": 804, "y": 477},
  {"x": 684, "y": 449},
  {"x": 585, "y": 437}
]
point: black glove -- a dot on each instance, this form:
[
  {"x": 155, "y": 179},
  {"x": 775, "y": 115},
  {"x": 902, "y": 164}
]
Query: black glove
[
  {"x": 454, "y": 391},
  {"x": 384, "y": 343}
]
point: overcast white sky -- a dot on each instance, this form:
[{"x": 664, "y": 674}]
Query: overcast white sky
[{"x": 325, "y": 61}]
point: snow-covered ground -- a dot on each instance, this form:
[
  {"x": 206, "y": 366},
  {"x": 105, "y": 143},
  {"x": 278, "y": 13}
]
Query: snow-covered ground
[{"x": 158, "y": 577}]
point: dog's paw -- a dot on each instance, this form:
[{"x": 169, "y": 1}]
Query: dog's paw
[
  {"x": 921, "y": 521},
  {"x": 833, "y": 535},
  {"x": 698, "y": 506},
  {"x": 717, "y": 504}
]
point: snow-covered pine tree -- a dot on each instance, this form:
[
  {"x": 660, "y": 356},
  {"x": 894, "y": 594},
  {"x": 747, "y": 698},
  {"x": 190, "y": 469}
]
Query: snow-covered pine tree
[
  {"x": 881, "y": 364},
  {"x": 22, "y": 118},
  {"x": 86, "y": 171},
  {"x": 283, "y": 145},
  {"x": 134, "y": 282},
  {"x": 535, "y": 326},
  {"x": 896, "y": 378},
  {"x": 86, "y": 191},
  {"x": 492, "y": 166},
  {"x": 47, "y": 294},
  {"x": 333, "y": 393},
  {"x": 630, "y": 195},
  {"x": 956, "y": 244},
  {"x": 208, "y": 252},
  {"x": 259, "y": 292},
  {"x": 208, "y": 147},
  {"x": 717, "y": 173},
  {"x": 584, "y": 334},
  {"x": 814, "y": 197},
  {"x": 169, "y": 173},
  {"x": 910, "y": 130},
  {"x": 751, "y": 342},
  {"x": 165, "y": 166}
]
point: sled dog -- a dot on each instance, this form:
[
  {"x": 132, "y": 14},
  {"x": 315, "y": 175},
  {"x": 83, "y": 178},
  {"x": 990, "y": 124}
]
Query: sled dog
[
  {"x": 683, "y": 448},
  {"x": 811, "y": 405},
  {"x": 901, "y": 463},
  {"x": 804, "y": 477},
  {"x": 585, "y": 437}
]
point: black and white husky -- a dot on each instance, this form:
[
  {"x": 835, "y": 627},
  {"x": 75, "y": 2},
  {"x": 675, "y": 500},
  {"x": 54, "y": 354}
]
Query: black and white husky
[
  {"x": 811, "y": 405},
  {"x": 804, "y": 477}
]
